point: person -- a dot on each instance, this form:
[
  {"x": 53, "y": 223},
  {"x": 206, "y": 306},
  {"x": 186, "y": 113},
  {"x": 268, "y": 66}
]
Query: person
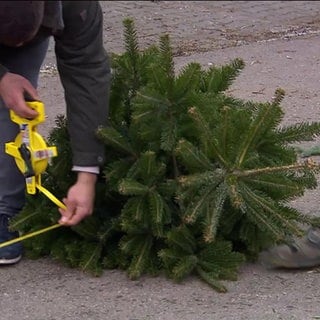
[
  {"x": 301, "y": 253},
  {"x": 76, "y": 28}
]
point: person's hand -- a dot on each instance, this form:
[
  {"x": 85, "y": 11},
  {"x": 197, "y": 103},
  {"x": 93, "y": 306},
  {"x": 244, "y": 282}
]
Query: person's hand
[
  {"x": 13, "y": 89},
  {"x": 80, "y": 200}
]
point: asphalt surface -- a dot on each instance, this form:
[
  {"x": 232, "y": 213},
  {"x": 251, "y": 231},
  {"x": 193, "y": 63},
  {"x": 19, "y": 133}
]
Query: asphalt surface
[{"x": 280, "y": 44}]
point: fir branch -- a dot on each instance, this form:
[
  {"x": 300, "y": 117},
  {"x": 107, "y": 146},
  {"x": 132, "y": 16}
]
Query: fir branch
[
  {"x": 210, "y": 278},
  {"x": 218, "y": 79},
  {"x": 109, "y": 229},
  {"x": 166, "y": 62},
  {"x": 169, "y": 136},
  {"x": 156, "y": 204},
  {"x": 264, "y": 209},
  {"x": 169, "y": 256},
  {"x": 132, "y": 187},
  {"x": 207, "y": 135},
  {"x": 131, "y": 43},
  {"x": 115, "y": 171},
  {"x": 184, "y": 267},
  {"x": 308, "y": 164},
  {"x": 182, "y": 238},
  {"x": 88, "y": 229},
  {"x": 16, "y": 223},
  {"x": 198, "y": 180},
  {"x": 196, "y": 207},
  {"x": 153, "y": 100},
  {"x": 281, "y": 184},
  {"x": 262, "y": 221},
  {"x": 112, "y": 137},
  {"x": 214, "y": 212},
  {"x": 278, "y": 96},
  {"x": 186, "y": 82},
  {"x": 225, "y": 126},
  {"x": 157, "y": 207},
  {"x": 149, "y": 169},
  {"x": 133, "y": 56},
  {"x": 175, "y": 166},
  {"x": 267, "y": 114},
  {"x": 136, "y": 209},
  {"x": 191, "y": 156},
  {"x": 141, "y": 255},
  {"x": 299, "y": 132},
  {"x": 90, "y": 258}
]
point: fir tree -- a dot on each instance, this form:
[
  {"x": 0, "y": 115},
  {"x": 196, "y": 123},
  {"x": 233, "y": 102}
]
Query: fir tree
[{"x": 195, "y": 181}]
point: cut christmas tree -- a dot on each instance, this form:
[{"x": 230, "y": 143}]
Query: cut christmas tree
[{"x": 196, "y": 181}]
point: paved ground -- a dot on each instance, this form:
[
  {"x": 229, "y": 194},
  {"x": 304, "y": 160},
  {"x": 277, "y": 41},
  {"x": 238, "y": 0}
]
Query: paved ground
[{"x": 280, "y": 43}]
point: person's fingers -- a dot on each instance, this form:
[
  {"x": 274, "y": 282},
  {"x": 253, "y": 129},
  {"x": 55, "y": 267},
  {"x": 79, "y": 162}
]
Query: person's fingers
[
  {"x": 69, "y": 211},
  {"x": 78, "y": 216},
  {"x": 15, "y": 90},
  {"x": 22, "y": 109}
]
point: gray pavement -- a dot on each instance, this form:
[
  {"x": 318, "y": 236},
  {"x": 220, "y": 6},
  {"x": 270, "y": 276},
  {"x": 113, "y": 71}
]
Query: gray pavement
[
  {"x": 280, "y": 44},
  {"x": 198, "y": 26}
]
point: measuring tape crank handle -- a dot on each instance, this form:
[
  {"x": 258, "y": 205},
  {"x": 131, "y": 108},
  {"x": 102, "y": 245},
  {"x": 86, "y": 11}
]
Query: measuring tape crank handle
[{"x": 26, "y": 157}]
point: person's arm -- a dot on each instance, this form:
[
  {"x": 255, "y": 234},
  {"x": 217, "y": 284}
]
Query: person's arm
[
  {"x": 84, "y": 71},
  {"x": 85, "y": 75}
]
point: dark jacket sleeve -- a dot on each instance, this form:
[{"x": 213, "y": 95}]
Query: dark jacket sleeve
[
  {"x": 3, "y": 71},
  {"x": 84, "y": 71}
]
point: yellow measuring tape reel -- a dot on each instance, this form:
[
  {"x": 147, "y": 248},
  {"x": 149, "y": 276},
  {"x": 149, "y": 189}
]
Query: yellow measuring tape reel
[{"x": 32, "y": 156}]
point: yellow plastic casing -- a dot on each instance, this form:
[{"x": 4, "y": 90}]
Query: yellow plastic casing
[{"x": 39, "y": 152}]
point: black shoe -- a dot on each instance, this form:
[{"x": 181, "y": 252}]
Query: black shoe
[{"x": 12, "y": 253}]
